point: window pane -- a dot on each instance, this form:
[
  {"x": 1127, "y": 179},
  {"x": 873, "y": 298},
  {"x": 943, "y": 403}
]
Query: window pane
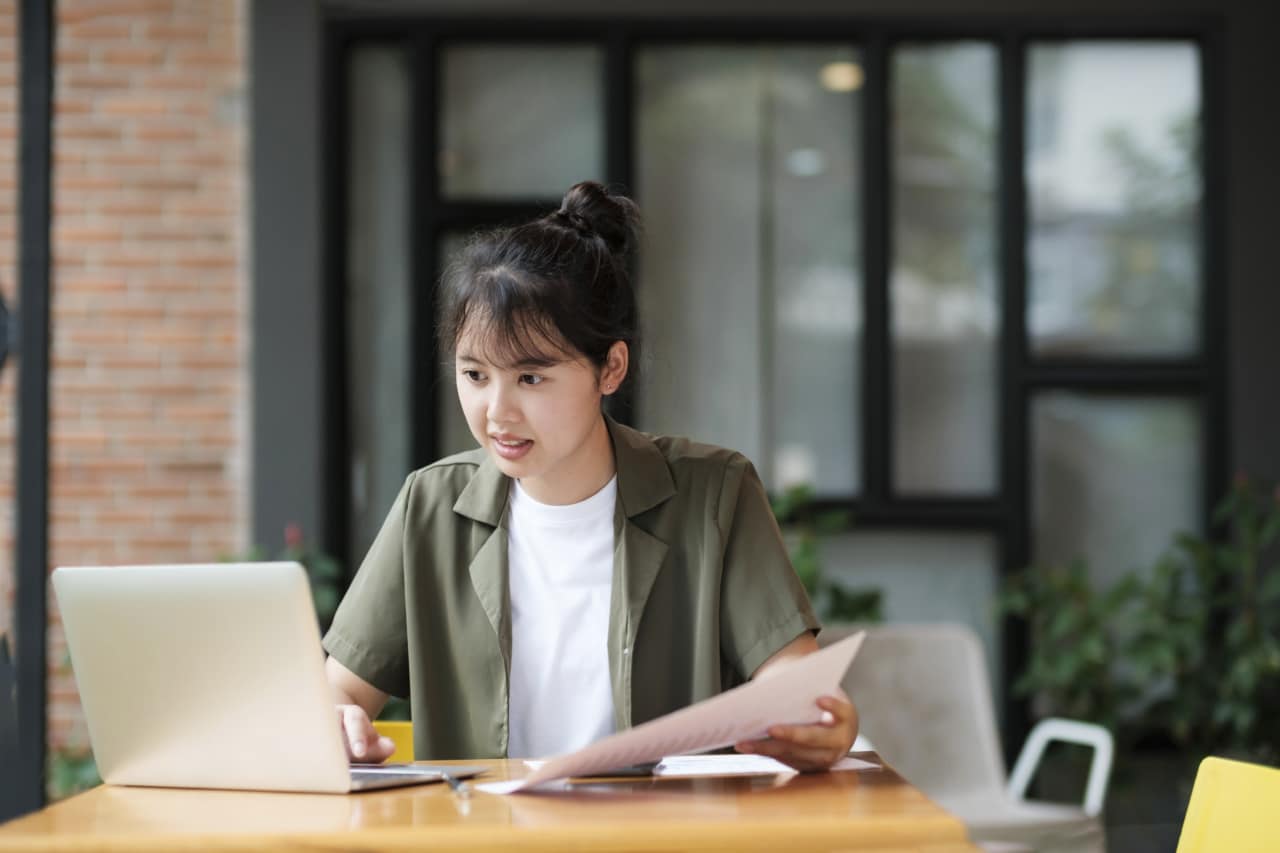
[
  {"x": 378, "y": 294},
  {"x": 748, "y": 174},
  {"x": 1113, "y": 134},
  {"x": 455, "y": 436},
  {"x": 520, "y": 122},
  {"x": 924, "y": 577},
  {"x": 1114, "y": 479},
  {"x": 944, "y": 293}
]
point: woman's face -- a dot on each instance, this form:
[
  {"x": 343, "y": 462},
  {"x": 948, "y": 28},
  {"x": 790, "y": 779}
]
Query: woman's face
[{"x": 541, "y": 423}]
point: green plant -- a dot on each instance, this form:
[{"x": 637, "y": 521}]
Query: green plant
[
  {"x": 1077, "y": 633},
  {"x": 323, "y": 571},
  {"x": 1189, "y": 653},
  {"x": 803, "y": 528},
  {"x": 70, "y": 768},
  {"x": 1212, "y": 631}
]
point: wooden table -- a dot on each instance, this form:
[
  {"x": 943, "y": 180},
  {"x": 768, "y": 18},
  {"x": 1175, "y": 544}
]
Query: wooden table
[{"x": 851, "y": 810}]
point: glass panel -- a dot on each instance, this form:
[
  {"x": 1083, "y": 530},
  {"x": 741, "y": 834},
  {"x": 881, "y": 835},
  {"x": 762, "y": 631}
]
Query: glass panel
[
  {"x": 9, "y": 287},
  {"x": 749, "y": 178},
  {"x": 944, "y": 293},
  {"x": 1113, "y": 479},
  {"x": 455, "y": 436},
  {"x": 924, "y": 577},
  {"x": 520, "y": 122},
  {"x": 8, "y": 433},
  {"x": 378, "y": 292},
  {"x": 1114, "y": 255}
]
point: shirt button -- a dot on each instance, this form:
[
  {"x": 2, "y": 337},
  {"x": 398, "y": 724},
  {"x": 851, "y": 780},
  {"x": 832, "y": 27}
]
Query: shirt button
[{"x": 626, "y": 651}]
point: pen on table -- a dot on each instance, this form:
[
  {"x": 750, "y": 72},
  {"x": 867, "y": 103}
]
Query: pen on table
[{"x": 461, "y": 788}]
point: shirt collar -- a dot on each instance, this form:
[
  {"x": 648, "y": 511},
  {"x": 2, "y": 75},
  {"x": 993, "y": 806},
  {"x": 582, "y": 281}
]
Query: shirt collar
[{"x": 644, "y": 479}]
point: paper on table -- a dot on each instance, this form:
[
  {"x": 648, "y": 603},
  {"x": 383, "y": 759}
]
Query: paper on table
[
  {"x": 787, "y": 695},
  {"x": 741, "y": 765}
]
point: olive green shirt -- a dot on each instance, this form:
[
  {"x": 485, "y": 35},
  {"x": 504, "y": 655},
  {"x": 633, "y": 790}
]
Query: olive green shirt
[{"x": 703, "y": 592}]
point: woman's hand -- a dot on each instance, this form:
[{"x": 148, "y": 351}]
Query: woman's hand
[
  {"x": 815, "y": 747},
  {"x": 363, "y": 742}
]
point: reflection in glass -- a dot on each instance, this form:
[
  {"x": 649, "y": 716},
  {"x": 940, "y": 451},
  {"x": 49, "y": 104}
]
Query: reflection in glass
[
  {"x": 378, "y": 294},
  {"x": 748, "y": 174},
  {"x": 1115, "y": 187},
  {"x": 455, "y": 436},
  {"x": 520, "y": 122},
  {"x": 1114, "y": 478},
  {"x": 944, "y": 293},
  {"x": 924, "y": 577},
  {"x": 8, "y": 472}
]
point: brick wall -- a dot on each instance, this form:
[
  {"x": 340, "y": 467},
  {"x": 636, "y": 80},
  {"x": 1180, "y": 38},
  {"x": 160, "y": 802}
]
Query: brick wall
[{"x": 147, "y": 422}]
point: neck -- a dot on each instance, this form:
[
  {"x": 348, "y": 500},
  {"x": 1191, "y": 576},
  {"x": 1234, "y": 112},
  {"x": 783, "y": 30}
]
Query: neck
[{"x": 579, "y": 477}]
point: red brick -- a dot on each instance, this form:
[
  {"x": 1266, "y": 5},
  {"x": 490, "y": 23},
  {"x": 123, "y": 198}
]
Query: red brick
[
  {"x": 164, "y": 492},
  {"x": 194, "y": 467},
  {"x": 167, "y": 133},
  {"x": 66, "y": 56},
  {"x": 86, "y": 183},
  {"x": 177, "y": 32},
  {"x": 71, "y": 12},
  {"x": 72, "y": 103},
  {"x": 205, "y": 57},
  {"x": 69, "y": 130},
  {"x": 132, "y": 208},
  {"x": 96, "y": 31},
  {"x": 75, "y": 79},
  {"x": 113, "y": 517},
  {"x": 104, "y": 234},
  {"x": 133, "y": 105},
  {"x": 132, "y": 56},
  {"x": 180, "y": 80}
]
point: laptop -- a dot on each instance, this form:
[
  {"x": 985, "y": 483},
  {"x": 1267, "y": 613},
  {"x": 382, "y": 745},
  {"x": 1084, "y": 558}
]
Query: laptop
[{"x": 211, "y": 676}]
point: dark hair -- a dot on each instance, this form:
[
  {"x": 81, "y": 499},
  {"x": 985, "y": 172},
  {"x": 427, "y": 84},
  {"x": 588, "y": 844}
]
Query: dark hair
[{"x": 561, "y": 279}]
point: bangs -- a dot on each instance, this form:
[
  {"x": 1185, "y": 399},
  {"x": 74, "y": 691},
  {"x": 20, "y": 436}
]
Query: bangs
[{"x": 497, "y": 318}]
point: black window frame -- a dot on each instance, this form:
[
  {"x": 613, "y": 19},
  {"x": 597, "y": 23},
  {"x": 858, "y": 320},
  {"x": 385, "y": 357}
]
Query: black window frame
[{"x": 1007, "y": 516}]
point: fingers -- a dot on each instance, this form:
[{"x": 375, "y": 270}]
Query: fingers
[
  {"x": 811, "y": 747},
  {"x": 380, "y": 750},
  {"x": 363, "y": 742}
]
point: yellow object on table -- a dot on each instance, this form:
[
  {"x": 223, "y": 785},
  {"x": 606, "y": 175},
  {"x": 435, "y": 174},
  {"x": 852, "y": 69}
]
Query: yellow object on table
[{"x": 402, "y": 734}]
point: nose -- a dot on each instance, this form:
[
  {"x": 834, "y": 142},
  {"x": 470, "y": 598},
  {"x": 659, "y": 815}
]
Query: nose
[{"x": 502, "y": 404}]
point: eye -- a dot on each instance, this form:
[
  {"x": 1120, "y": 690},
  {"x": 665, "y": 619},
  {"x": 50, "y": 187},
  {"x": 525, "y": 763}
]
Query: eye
[
  {"x": 473, "y": 375},
  {"x": 530, "y": 378}
]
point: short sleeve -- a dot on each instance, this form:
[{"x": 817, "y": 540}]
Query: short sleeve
[
  {"x": 763, "y": 605},
  {"x": 368, "y": 634}
]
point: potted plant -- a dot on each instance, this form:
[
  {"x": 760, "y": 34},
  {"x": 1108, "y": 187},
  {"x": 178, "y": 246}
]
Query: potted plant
[
  {"x": 803, "y": 526},
  {"x": 1179, "y": 663}
]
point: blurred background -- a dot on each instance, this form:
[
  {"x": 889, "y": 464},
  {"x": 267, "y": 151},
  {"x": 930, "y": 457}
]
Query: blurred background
[{"x": 985, "y": 289}]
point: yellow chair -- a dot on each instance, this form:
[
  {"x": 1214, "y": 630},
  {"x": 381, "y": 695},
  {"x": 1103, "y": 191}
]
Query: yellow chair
[
  {"x": 1235, "y": 808},
  {"x": 402, "y": 733}
]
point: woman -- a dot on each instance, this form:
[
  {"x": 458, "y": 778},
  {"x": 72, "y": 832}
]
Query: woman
[{"x": 571, "y": 577}]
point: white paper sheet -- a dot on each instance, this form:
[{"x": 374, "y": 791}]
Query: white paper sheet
[
  {"x": 787, "y": 695},
  {"x": 741, "y": 765}
]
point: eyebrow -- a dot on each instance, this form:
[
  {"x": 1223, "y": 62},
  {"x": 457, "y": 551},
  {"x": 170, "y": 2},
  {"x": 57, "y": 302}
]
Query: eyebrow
[{"x": 523, "y": 364}]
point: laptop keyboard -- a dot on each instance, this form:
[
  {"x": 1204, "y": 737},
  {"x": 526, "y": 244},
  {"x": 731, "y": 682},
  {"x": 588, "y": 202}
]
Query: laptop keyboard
[{"x": 370, "y": 774}]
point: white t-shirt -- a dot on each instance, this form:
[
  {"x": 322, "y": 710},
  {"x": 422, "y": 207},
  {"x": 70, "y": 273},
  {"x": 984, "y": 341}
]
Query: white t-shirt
[{"x": 560, "y": 561}]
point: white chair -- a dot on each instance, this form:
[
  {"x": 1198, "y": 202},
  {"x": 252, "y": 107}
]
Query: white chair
[{"x": 924, "y": 700}]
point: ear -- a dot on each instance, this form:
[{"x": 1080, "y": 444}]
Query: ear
[{"x": 616, "y": 363}]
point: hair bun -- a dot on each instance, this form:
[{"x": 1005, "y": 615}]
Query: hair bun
[{"x": 590, "y": 207}]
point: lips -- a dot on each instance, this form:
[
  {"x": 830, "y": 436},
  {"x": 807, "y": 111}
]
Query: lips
[{"x": 511, "y": 447}]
